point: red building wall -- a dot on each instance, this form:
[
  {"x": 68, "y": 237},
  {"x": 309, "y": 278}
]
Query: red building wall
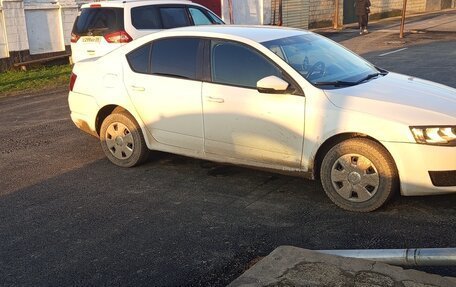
[{"x": 214, "y": 5}]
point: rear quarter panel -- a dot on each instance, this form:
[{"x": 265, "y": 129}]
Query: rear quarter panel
[{"x": 102, "y": 79}]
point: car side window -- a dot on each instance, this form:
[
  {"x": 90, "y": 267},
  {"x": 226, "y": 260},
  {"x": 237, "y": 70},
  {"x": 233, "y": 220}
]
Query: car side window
[
  {"x": 238, "y": 65},
  {"x": 215, "y": 18},
  {"x": 145, "y": 17},
  {"x": 138, "y": 59},
  {"x": 176, "y": 57},
  {"x": 173, "y": 17},
  {"x": 199, "y": 18}
]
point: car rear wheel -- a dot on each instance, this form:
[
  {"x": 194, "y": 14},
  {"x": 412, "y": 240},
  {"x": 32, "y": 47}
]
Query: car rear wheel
[
  {"x": 122, "y": 140},
  {"x": 358, "y": 175}
]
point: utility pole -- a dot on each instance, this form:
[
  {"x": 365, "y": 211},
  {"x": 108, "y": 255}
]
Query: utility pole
[
  {"x": 336, "y": 15},
  {"x": 280, "y": 13},
  {"x": 401, "y": 33},
  {"x": 230, "y": 10}
]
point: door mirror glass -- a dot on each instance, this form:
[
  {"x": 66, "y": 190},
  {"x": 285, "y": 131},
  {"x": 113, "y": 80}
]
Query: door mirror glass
[{"x": 272, "y": 85}]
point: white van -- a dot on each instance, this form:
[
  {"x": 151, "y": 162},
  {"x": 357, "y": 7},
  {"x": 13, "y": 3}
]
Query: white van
[{"x": 103, "y": 26}]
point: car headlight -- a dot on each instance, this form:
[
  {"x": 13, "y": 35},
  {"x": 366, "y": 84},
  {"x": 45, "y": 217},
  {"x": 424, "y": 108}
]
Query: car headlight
[{"x": 443, "y": 135}]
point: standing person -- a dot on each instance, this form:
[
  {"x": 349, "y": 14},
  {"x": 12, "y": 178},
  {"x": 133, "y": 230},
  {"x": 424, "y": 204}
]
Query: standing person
[{"x": 362, "y": 11}]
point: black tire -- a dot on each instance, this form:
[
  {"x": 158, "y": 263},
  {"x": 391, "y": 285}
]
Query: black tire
[
  {"x": 122, "y": 140},
  {"x": 359, "y": 175}
]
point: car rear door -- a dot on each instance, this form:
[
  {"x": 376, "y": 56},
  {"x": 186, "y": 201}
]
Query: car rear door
[{"x": 165, "y": 86}]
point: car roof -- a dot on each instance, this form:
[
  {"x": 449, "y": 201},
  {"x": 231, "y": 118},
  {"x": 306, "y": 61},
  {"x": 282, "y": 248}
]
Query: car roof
[
  {"x": 121, "y": 3},
  {"x": 255, "y": 33}
]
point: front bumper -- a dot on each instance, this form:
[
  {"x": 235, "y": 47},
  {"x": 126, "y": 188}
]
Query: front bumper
[
  {"x": 84, "y": 110},
  {"x": 415, "y": 162}
]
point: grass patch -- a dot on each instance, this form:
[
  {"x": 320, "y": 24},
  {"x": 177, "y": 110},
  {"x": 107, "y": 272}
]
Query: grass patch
[{"x": 12, "y": 82}]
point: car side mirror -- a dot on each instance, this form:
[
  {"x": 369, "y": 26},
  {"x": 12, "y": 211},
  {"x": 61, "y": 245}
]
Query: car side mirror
[{"x": 272, "y": 85}]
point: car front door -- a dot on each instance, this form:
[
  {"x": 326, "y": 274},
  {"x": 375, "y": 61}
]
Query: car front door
[
  {"x": 242, "y": 123},
  {"x": 163, "y": 79}
]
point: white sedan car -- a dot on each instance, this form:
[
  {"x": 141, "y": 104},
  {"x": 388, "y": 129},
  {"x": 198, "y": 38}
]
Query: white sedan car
[{"x": 274, "y": 98}]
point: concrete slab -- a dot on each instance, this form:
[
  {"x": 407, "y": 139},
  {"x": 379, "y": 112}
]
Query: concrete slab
[{"x": 292, "y": 266}]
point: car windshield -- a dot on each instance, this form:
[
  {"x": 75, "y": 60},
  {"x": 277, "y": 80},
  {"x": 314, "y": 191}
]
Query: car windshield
[{"x": 321, "y": 61}]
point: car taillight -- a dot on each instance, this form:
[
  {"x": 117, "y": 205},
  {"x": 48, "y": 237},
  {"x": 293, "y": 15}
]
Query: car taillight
[
  {"x": 118, "y": 37},
  {"x": 95, "y": 5},
  {"x": 72, "y": 81},
  {"x": 74, "y": 38}
]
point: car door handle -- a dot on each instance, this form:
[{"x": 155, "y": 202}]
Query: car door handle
[
  {"x": 215, "y": 100},
  {"x": 138, "y": 89}
]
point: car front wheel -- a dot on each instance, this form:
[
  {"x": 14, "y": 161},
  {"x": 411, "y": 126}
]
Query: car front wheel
[
  {"x": 122, "y": 140},
  {"x": 358, "y": 175}
]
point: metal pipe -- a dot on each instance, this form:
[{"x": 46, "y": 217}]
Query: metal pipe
[{"x": 404, "y": 257}]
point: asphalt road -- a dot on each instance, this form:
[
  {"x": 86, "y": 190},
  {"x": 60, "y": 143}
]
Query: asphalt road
[{"x": 69, "y": 217}]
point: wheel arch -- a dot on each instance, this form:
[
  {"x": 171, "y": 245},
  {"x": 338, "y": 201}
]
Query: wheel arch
[
  {"x": 103, "y": 113},
  {"x": 336, "y": 139},
  {"x": 110, "y": 109}
]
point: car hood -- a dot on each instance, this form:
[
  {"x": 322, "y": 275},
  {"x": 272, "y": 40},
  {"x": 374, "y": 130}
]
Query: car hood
[{"x": 401, "y": 98}]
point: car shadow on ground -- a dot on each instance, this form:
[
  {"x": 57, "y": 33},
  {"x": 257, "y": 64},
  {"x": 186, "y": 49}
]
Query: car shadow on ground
[{"x": 178, "y": 221}]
